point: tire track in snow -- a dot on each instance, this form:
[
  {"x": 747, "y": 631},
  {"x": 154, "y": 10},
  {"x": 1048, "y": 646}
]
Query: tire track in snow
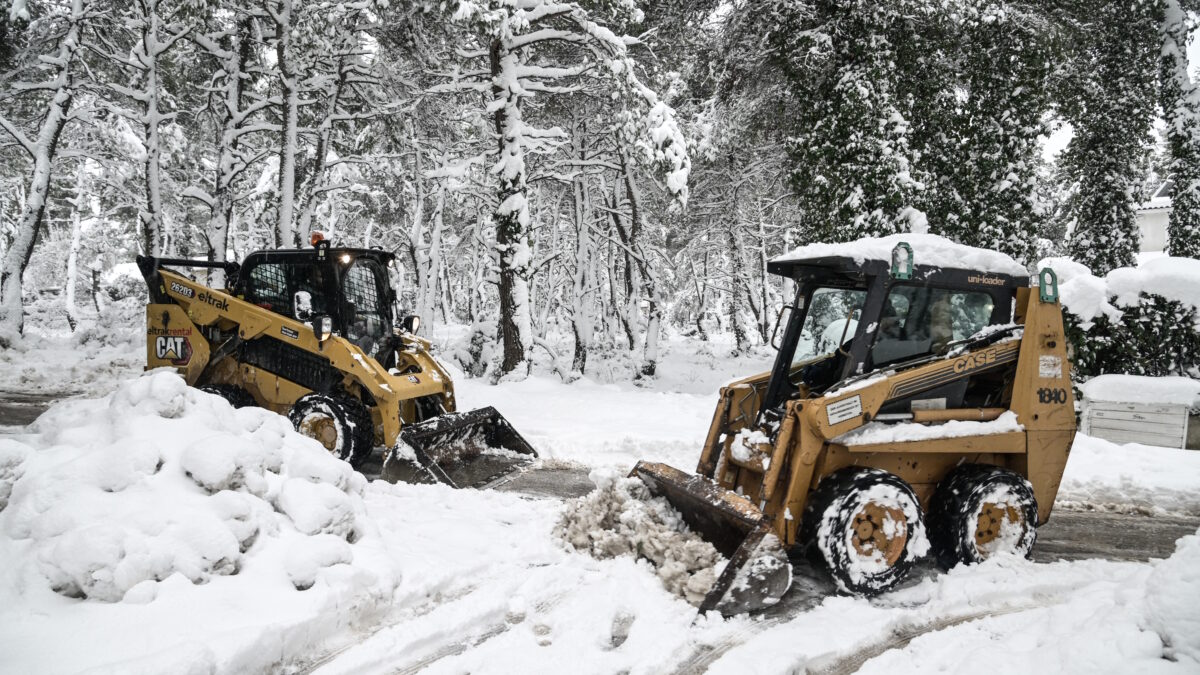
[
  {"x": 807, "y": 591},
  {"x": 850, "y": 659},
  {"x": 459, "y": 646},
  {"x": 415, "y": 612},
  {"x": 898, "y": 638}
]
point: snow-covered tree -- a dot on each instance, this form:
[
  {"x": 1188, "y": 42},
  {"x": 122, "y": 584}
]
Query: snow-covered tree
[
  {"x": 853, "y": 163},
  {"x": 236, "y": 119},
  {"x": 532, "y": 48},
  {"x": 1108, "y": 96},
  {"x": 980, "y": 126},
  {"x": 152, "y": 29},
  {"x": 47, "y": 83},
  {"x": 1180, "y": 99}
]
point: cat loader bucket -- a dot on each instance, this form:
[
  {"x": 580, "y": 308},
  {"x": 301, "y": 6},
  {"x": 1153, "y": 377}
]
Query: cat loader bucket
[
  {"x": 758, "y": 572},
  {"x": 472, "y": 449}
]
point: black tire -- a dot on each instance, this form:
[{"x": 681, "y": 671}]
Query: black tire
[
  {"x": 854, "y": 498},
  {"x": 340, "y": 422},
  {"x": 237, "y": 397},
  {"x": 974, "y": 512}
]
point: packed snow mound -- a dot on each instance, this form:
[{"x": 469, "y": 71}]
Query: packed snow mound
[
  {"x": 1172, "y": 390},
  {"x": 1104, "y": 476},
  {"x": 110, "y": 497},
  {"x": 928, "y": 249},
  {"x": 1172, "y": 593},
  {"x": 621, "y": 518},
  {"x": 1088, "y": 296}
]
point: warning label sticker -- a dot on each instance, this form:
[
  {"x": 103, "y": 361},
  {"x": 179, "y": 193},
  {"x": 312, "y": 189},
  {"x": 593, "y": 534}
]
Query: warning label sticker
[
  {"x": 1050, "y": 366},
  {"x": 845, "y": 409}
]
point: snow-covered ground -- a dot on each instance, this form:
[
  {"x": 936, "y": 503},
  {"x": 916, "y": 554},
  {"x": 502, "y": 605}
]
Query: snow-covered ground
[{"x": 207, "y": 539}]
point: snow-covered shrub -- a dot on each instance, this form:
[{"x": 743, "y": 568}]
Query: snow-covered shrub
[
  {"x": 1137, "y": 320},
  {"x": 124, "y": 281},
  {"x": 111, "y": 496},
  {"x": 474, "y": 351}
]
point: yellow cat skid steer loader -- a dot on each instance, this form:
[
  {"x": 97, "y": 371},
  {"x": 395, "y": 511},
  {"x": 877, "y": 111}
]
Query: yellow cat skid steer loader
[
  {"x": 314, "y": 334},
  {"x": 911, "y": 407}
]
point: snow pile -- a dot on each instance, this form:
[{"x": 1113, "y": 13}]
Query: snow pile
[
  {"x": 1173, "y": 599},
  {"x": 620, "y": 518},
  {"x": 928, "y": 249},
  {"x": 882, "y": 432},
  {"x": 105, "y": 347},
  {"x": 1134, "y": 478},
  {"x": 1171, "y": 390},
  {"x": 1088, "y": 296},
  {"x": 165, "y": 496}
]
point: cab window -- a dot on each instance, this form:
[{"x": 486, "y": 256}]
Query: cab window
[
  {"x": 268, "y": 287},
  {"x": 831, "y": 320},
  {"x": 365, "y": 290},
  {"x": 272, "y": 286},
  {"x": 918, "y": 321}
]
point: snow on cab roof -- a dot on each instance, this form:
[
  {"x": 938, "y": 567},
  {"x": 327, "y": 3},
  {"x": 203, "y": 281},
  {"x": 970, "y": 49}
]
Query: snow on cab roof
[{"x": 928, "y": 249}]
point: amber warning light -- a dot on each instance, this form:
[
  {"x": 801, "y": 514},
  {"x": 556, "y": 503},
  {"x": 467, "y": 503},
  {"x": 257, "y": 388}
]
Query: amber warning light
[{"x": 317, "y": 237}]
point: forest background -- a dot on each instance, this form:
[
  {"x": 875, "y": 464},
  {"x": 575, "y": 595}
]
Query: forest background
[{"x": 576, "y": 180}]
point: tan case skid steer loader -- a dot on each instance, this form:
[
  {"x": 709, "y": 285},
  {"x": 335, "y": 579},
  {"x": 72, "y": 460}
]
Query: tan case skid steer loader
[
  {"x": 314, "y": 334},
  {"x": 909, "y": 408}
]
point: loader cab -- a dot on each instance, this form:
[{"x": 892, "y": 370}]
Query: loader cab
[
  {"x": 349, "y": 285},
  {"x": 851, "y": 318}
]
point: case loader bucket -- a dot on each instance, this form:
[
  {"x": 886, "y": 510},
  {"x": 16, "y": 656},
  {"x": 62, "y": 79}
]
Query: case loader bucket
[
  {"x": 471, "y": 449},
  {"x": 758, "y": 572}
]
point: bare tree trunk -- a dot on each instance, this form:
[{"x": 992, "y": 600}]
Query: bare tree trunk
[
  {"x": 701, "y": 293},
  {"x": 431, "y": 261},
  {"x": 234, "y": 60},
  {"x": 289, "y": 87},
  {"x": 737, "y": 285},
  {"x": 627, "y": 312},
  {"x": 650, "y": 287},
  {"x": 77, "y": 204},
  {"x": 581, "y": 322},
  {"x": 512, "y": 215}
]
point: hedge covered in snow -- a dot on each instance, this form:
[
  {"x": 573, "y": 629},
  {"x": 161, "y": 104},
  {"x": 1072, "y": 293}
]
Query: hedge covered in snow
[{"x": 1141, "y": 320}]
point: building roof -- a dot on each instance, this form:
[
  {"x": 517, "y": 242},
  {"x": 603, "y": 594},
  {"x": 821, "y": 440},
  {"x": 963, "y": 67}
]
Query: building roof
[{"x": 1161, "y": 199}]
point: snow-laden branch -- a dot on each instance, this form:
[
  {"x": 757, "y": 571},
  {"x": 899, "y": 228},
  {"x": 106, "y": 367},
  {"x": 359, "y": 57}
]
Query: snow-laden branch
[{"x": 19, "y": 137}]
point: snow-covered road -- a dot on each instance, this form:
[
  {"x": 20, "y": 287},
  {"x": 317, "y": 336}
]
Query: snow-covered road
[{"x": 446, "y": 581}]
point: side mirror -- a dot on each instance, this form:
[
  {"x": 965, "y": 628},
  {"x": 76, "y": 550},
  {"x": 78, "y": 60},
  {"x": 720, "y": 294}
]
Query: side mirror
[
  {"x": 781, "y": 321},
  {"x": 302, "y": 305},
  {"x": 322, "y": 327}
]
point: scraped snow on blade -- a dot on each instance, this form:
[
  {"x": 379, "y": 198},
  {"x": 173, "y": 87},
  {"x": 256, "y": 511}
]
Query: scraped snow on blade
[
  {"x": 621, "y": 518},
  {"x": 471, "y": 449},
  {"x": 758, "y": 573},
  {"x": 707, "y": 545}
]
